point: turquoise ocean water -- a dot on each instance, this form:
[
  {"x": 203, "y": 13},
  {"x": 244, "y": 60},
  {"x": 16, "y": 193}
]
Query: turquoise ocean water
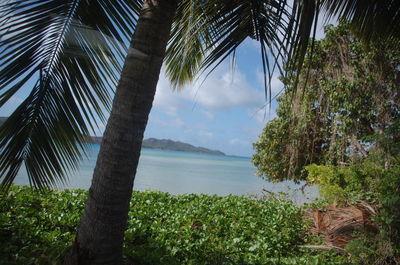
[{"x": 181, "y": 172}]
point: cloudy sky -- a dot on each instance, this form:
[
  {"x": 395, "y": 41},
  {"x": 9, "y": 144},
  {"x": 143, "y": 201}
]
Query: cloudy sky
[{"x": 226, "y": 112}]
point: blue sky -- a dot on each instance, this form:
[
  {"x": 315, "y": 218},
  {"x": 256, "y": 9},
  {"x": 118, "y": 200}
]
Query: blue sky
[{"x": 226, "y": 112}]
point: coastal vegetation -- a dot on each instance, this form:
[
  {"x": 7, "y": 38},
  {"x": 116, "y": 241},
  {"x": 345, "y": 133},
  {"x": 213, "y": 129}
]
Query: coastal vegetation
[
  {"x": 75, "y": 49},
  {"x": 162, "y": 229},
  {"x": 76, "y": 53},
  {"x": 339, "y": 129},
  {"x": 345, "y": 106}
]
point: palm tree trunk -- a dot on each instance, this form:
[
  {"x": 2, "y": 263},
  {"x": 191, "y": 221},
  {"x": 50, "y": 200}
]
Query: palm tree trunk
[{"x": 101, "y": 231}]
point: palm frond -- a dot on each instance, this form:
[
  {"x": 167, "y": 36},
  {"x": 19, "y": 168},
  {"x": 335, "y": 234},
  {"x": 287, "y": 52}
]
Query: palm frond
[
  {"x": 370, "y": 20},
  {"x": 188, "y": 42},
  {"x": 70, "y": 54},
  {"x": 207, "y": 32}
]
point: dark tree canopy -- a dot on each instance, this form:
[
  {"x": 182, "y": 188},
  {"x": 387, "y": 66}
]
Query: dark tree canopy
[{"x": 348, "y": 106}]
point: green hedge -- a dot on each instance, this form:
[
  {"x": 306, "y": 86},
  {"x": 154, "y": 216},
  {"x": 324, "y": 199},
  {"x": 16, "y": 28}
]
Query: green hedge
[{"x": 38, "y": 228}]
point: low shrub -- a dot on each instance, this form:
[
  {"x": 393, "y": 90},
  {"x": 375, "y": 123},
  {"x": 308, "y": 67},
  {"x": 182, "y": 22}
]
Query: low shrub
[
  {"x": 38, "y": 228},
  {"x": 201, "y": 229}
]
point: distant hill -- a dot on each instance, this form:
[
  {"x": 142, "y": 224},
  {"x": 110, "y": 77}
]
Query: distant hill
[
  {"x": 163, "y": 144},
  {"x": 166, "y": 144}
]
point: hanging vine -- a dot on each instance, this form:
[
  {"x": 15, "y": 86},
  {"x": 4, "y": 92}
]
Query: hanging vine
[{"x": 348, "y": 106}]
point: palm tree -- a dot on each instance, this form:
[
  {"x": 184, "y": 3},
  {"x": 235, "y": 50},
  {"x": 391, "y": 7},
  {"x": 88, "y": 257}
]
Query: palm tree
[
  {"x": 69, "y": 54},
  {"x": 73, "y": 49},
  {"x": 52, "y": 121}
]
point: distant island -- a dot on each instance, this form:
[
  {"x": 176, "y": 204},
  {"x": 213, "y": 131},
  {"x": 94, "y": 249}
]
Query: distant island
[
  {"x": 162, "y": 144},
  {"x": 167, "y": 144}
]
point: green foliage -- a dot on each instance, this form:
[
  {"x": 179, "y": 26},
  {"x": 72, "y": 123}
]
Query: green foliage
[
  {"x": 268, "y": 159},
  {"x": 374, "y": 249},
  {"x": 367, "y": 181},
  {"x": 346, "y": 184},
  {"x": 389, "y": 208},
  {"x": 326, "y": 179},
  {"x": 338, "y": 127},
  {"x": 346, "y": 104},
  {"x": 201, "y": 229},
  {"x": 67, "y": 61},
  {"x": 38, "y": 228}
]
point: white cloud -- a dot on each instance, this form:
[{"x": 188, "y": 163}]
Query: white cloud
[
  {"x": 207, "y": 114},
  {"x": 166, "y": 99},
  {"x": 237, "y": 141},
  {"x": 225, "y": 89},
  {"x": 178, "y": 122},
  {"x": 252, "y": 44},
  {"x": 206, "y": 134},
  {"x": 222, "y": 90},
  {"x": 174, "y": 122}
]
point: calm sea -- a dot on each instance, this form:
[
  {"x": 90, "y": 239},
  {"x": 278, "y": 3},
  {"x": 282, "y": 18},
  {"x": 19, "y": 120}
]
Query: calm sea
[{"x": 181, "y": 172}]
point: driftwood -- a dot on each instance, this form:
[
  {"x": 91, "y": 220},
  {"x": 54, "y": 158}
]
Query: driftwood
[
  {"x": 337, "y": 225},
  {"x": 324, "y": 247}
]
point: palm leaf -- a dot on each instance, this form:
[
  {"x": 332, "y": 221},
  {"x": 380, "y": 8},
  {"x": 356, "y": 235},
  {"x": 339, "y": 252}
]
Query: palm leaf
[
  {"x": 370, "y": 20},
  {"x": 187, "y": 46},
  {"x": 72, "y": 53},
  {"x": 207, "y": 32}
]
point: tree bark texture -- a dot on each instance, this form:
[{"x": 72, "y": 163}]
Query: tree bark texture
[{"x": 101, "y": 231}]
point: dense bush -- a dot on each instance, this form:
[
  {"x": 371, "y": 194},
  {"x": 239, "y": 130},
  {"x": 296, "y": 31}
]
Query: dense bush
[
  {"x": 337, "y": 126},
  {"x": 366, "y": 181},
  {"x": 347, "y": 184},
  {"x": 344, "y": 104},
  {"x": 162, "y": 229},
  {"x": 389, "y": 205}
]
